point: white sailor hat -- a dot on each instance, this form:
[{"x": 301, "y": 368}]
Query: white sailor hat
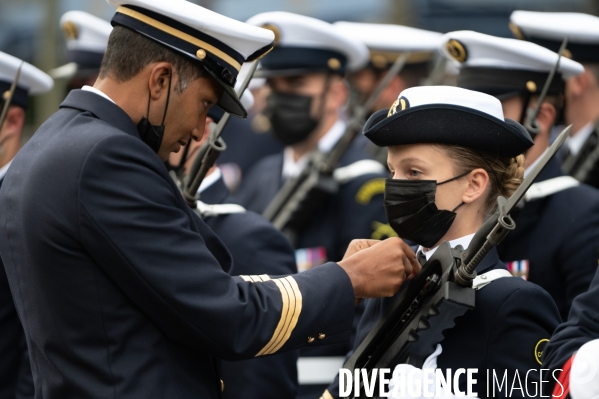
[
  {"x": 448, "y": 115},
  {"x": 548, "y": 29},
  {"x": 504, "y": 67},
  {"x": 86, "y": 37},
  {"x": 304, "y": 44},
  {"x": 31, "y": 80},
  {"x": 387, "y": 42},
  {"x": 219, "y": 44}
]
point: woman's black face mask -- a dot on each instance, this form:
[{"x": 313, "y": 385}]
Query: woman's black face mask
[{"x": 412, "y": 212}]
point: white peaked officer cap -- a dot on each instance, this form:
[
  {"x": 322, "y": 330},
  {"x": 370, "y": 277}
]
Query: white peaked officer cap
[
  {"x": 549, "y": 29},
  {"x": 448, "y": 115},
  {"x": 500, "y": 66},
  {"x": 304, "y": 44},
  {"x": 387, "y": 42},
  {"x": 217, "y": 43},
  {"x": 31, "y": 81},
  {"x": 86, "y": 37}
]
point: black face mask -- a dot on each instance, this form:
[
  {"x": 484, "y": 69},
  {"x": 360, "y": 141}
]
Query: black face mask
[
  {"x": 290, "y": 117},
  {"x": 151, "y": 134},
  {"x": 412, "y": 212}
]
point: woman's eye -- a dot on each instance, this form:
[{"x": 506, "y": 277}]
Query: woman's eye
[{"x": 414, "y": 173}]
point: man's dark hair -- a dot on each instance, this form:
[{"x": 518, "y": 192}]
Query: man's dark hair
[{"x": 128, "y": 52}]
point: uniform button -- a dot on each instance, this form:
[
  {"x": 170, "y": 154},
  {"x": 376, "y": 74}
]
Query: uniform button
[
  {"x": 222, "y": 386},
  {"x": 321, "y": 336},
  {"x": 310, "y": 340}
]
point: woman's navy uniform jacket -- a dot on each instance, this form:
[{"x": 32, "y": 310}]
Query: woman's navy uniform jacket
[
  {"x": 510, "y": 323},
  {"x": 256, "y": 248},
  {"x": 122, "y": 290},
  {"x": 582, "y": 326},
  {"x": 558, "y": 236}
]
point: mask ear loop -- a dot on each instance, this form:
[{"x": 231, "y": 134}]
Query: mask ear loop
[
  {"x": 454, "y": 178},
  {"x": 168, "y": 97}
]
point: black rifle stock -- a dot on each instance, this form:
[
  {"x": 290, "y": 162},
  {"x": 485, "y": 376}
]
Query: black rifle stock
[
  {"x": 298, "y": 199},
  {"x": 211, "y": 149},
  {"x": 410, "y": 329}
]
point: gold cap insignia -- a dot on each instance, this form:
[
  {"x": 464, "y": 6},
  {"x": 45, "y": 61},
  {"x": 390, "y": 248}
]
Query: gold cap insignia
[
  {"x": 457, "y": 50},
  {"x": 70, "y": 30},
  {"x": 401, "y": 103},
  {"x": 6, "y": 95},
  {"x": 274, "y": 30},
  {"x": 539, "y": 347},
  {"x": 201, "y": 53},
  {"x": 334, "y": 64},
  {"x": 531, "y": 86},
  {"x": 567, "y": 53},
  {"x": 516, "y": 31},
  {"x": 379, "y": 61}
]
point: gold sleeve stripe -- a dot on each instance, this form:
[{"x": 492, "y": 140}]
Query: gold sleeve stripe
[
  {"x": 326, "y": 395},
  {"x": 292, "y": 307},
  {"x": 256, "y": 279},
  {"x": 281, "y": 324},
  {"x": 181, "y": 35},
  {"x": 294, "y": 288}
]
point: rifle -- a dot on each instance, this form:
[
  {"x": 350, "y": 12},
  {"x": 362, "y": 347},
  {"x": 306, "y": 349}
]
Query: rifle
[
  {"x": 290, "y": 209},
  {"x": 210, "y": 150},
  {"x": 531, "y": 124},
  {"x": 411, "y": 328}
]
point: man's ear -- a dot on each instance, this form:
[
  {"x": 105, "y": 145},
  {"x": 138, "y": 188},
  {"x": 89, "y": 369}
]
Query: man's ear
[
  {"x": 160, "y": 75},
  {"x": 13, "y": 124},
  {"x": 546, "y": 117},
  {"x": 338, "y": 94},
  {"x": 477, "y": 183},
  {"x": 578, "y": 84}
]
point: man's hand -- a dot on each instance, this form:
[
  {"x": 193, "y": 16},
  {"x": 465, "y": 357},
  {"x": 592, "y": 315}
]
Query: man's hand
[{"x": 379, "y": 268}]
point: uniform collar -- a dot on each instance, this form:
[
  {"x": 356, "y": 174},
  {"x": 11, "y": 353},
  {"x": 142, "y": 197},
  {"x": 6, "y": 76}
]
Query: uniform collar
[
  {"x": 4, "y": 169},
  {"x": 210, "y": 180},
  {"x": 292, "y": 168},
  {"x": 487, "y": 263},
  {"x": 215, "y": 193},
  {"x": 463, "y": 241},
  {"x": 98, "y": 92},
  {"x": 101, "y": 108},
  {"x": 576, "y": 141}
]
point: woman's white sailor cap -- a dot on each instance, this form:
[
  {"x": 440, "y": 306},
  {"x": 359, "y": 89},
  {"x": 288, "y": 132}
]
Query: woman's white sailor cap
[
  {"x": 548, "y": 29},
  {"x": 448, "y": 115},
  {"x": 386, "y": 42},
  {"x": 505, "y": 67},
  {"x": 219, "y": 44},
  {"x": 31, "y": 80},
  {"x": 304, "y": 44}
]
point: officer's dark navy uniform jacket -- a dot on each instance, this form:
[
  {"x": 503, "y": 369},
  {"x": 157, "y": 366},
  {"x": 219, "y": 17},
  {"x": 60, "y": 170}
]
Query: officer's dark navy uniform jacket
[
  {"x": 15, "y": 371},
  {"x": 581, "y": 327},
  {"x": 511, "y": 316},
  {"x": 256, "y": 248},
  {"x": 122, "y": 290},
  {"x": 559, "y": 236}
]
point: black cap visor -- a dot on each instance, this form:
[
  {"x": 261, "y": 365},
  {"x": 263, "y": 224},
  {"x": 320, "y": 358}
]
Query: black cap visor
[{"x": 448, "y": 124}]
